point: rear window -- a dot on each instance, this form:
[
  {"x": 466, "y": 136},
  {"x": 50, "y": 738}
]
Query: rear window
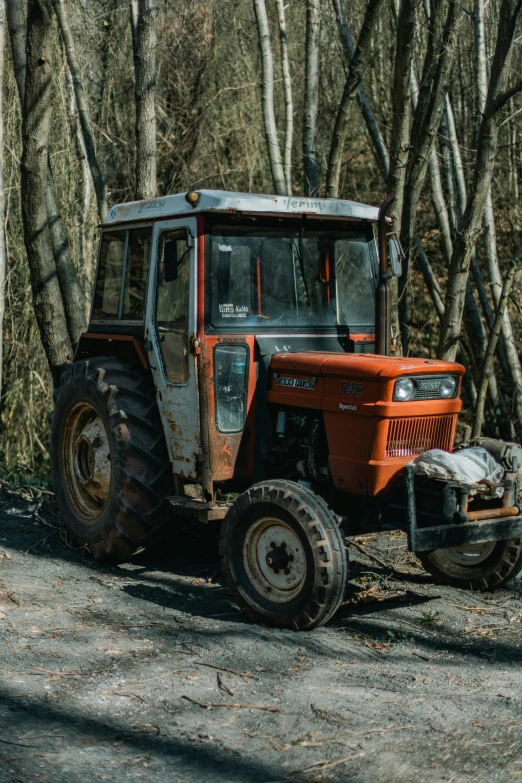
[{"x": 122, "y": 275}]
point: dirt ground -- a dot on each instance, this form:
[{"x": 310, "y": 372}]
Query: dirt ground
[{"x": 148, "y": 671}]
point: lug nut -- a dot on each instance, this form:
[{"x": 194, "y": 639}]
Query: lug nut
[
  {"x": 272, "y": 544},
  {"x": 287, "y": 570}
]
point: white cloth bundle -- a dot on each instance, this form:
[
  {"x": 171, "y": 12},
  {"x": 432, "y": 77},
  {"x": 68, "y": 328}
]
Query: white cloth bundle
[{"x": 469, "y": 466}]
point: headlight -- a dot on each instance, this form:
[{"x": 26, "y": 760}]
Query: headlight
[
  {"x": 404, "y": 389},
  {"x": 230, "y": 383},
  {"x": 447, "y": 386}
]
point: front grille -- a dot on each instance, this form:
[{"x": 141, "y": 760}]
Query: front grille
[
  {"x": 427, "y": 394},
  {"x": 428, "y": 388},
  {"x": 409, "y": 437}
]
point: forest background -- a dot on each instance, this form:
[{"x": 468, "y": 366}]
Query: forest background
[{"x": 103, "y": 101}]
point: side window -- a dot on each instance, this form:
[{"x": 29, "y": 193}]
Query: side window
[
  {"x": 108, "y": 285},
  {"x": 136, "y": 270},
  {"x": 172, "y": 303}
]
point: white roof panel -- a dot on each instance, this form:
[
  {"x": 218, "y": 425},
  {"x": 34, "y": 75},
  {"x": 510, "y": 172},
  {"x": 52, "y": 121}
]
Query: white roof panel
[{"x": 224, "y": 201}]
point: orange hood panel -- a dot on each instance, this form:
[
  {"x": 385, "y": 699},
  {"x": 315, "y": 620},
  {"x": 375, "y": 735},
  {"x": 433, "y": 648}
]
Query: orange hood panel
[{"x": 360, "y": 365}]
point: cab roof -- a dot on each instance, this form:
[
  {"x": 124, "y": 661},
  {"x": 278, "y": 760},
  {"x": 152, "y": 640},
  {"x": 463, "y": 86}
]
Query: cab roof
[{"x": 229, "y": 202}]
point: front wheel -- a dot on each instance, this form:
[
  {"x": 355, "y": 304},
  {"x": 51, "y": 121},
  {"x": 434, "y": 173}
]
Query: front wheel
[
  {"x": 284, "y": 556},
  {"x": 483, "y": 566}
]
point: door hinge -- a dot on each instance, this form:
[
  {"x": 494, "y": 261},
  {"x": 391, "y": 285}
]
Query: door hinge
[{"x": 195, "y": 346}]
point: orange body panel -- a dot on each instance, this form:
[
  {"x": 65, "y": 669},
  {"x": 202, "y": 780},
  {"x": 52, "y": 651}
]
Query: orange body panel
[
  {"x": 355, "y": 392},
  {"x": 231, "y": 454}
]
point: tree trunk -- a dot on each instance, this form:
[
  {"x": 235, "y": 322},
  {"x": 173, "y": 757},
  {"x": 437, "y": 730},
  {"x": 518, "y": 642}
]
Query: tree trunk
[
  {"x": 489, "y": 219},
  {"x": 145, "y": 89},
  {"x": 3, "y": 253},
  {"x": 289, "y": 104},
  {"x": 267, "y": 98},
  {"x": 73, "y": 300},
  {"x": 83, "y": 108},
  {"x": 401, "y": 107},
  {"x": 16, "y": 23},
  {"x": 85, "y": 260},
  {"x": 134, "y": 16},
  {"x": 36, "y": 115},
  {"x": 311, "y": 98},
  {"x": 444, "y": 26},
  {"x": 490, "y": 352},
  {"x": 381, "y": 152},
  {"x": 357, "y": 66},
  {"x": 497, "y": 97}
]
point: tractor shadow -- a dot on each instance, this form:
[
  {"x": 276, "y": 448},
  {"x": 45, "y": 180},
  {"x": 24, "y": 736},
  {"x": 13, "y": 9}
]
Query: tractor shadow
[{"x": 184, "y": 575}]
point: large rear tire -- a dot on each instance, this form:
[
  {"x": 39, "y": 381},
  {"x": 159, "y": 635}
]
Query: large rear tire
[
  {"x": 475, "y": 566},
  {"x": 109, "y": 460},
  {"x": 284, "y": 556}
]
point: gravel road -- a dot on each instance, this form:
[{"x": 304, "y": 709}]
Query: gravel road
[{"x": 148, "y": 671}]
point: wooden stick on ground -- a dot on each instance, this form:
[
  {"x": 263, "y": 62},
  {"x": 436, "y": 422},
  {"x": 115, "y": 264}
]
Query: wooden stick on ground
[
  {"x": 233, "y": 706},
  {"x": 378, "y": 560},
  {"x": 224, "y": 669}
]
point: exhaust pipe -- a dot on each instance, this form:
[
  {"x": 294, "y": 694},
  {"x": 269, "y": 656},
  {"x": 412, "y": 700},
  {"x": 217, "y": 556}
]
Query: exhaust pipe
[{"x": 383, "y": 294}]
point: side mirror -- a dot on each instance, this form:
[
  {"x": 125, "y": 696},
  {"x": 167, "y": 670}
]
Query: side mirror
[{"x": 396, "y": 255}]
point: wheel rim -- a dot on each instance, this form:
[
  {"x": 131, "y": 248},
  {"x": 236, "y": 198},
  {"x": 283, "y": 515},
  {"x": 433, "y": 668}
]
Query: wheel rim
[
  {"x": 470, "y": 554},
  {"x": 274, "y": 559},
  {"x": 86, "y": 460}
]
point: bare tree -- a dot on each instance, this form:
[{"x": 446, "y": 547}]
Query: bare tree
[
  {"x": 36, "y": 116},
  {"x": 401, "y": 106},
  {"x": 444, "y": 26},
  {"x": 372, "y": 126},
  {"x": 67, "y": 276},
  {"x": 144, "y": 46},
  {"x": 3, "y": 251},
  {"x": 497, "y": 97},
  {"x": 490, "y": 351},
  {"x": 489, "y": 217},
  {"x": 355, "y": 72},
  {"x": 289, "y": 103},
  {"x": 83, "y": 108},
  {"x": 267, "y": 98},
  {"x": 311, "y": 98}
]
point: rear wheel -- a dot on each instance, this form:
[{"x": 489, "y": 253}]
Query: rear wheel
[
  {"x": 109, "y": 461},
  {"x": 483, "y": 566},
  {"x": 284, "y": 555}
]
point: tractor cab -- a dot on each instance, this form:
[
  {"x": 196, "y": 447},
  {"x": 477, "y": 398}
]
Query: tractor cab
[{"x": 202, "y": 288}]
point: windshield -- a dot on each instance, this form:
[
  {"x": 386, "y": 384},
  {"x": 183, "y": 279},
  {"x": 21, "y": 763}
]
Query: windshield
[{"x": 291, "y": 276}]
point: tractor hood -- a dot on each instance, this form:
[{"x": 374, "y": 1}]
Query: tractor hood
[
  {"x": 363, "y": 365},
  {"x": 371, "y": 434}
]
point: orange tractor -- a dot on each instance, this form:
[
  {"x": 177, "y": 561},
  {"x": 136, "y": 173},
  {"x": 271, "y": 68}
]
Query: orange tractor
[{"x": 237, "y": 365}]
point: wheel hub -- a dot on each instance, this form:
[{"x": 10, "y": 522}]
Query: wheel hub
[
  {"x": 275, "y": 559},
  {"x": 93, "y": 467},
  {"x": 278, "y": 558},
  {"x": 87, "y": 460}
]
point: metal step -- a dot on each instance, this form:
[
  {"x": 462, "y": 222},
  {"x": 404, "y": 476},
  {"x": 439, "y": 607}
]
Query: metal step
[{"x": 207, "y": 512}]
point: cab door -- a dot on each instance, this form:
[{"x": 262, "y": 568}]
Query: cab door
[{"x": 170, "y": 332}]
